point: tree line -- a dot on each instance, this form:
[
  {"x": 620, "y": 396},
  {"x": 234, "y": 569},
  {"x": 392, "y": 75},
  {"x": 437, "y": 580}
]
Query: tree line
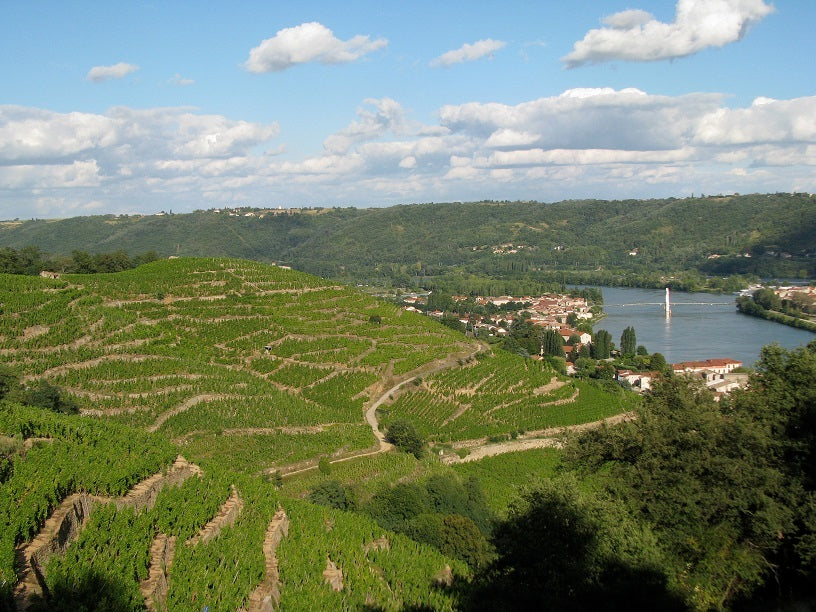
[{"x": 31, "y": 261}]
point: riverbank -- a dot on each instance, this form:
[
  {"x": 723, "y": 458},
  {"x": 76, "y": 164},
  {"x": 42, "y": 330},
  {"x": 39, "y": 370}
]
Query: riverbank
[{"x": 747, "y": 306}]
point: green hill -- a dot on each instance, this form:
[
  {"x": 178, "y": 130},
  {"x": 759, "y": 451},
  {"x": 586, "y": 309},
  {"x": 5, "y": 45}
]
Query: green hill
[
  {"x": 632, "y": 241},
  {"x": 246, "y": 370}
]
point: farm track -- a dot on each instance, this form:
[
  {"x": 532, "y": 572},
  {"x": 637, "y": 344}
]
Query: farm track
[
  {"x": 544, "y": 438},
  {"x": 186, "y": 405},
  {"x": 371, "y": 416}
]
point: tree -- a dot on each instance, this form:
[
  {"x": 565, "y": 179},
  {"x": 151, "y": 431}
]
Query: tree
[
  {"x": 440, "y": 301},
  {"x": 628, "y": 342},
  {"x": 657, "y": 362},
  {"x": 332, "y": 494},
  {"x": 560, "y": 549},
  {"x": 404, "y": 436},
  {"x": 768, "y": 299},
  {"x": 453, "y": 534},
  {"x": 602, "y": 344},
  {"x": 584, "y": 367},
  {"x": 705, "y": 477},
  {"x": 552, "y": 342},
  {"x": 49, "y": 397},
  {"x": 9, "y": 382}
]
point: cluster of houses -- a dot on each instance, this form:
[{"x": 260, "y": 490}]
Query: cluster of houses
[
  {"x": 717, "y": 374},
  {"x": 260, "y": 214},
  {"x": 791, "y": 293},
  {"x": 549, "y": 311}
]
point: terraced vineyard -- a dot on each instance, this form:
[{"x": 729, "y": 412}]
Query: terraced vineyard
[
  {"x": 219, "y": 355},
  {"x": 243, "y": 369},
  {"x": 497, "y": 394}
]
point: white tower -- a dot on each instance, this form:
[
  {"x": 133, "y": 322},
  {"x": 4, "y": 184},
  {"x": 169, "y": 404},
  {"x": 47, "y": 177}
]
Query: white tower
[{"x": 668, "y": 304}]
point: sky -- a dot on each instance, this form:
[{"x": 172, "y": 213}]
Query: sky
[{"x": 139, "y": 107}]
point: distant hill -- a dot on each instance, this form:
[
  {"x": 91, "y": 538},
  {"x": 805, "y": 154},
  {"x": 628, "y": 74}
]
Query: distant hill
[{"x": 708, "y": 235}]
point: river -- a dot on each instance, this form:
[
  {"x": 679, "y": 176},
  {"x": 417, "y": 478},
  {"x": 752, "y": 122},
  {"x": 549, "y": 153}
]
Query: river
[{"x": 701, "y": 326}]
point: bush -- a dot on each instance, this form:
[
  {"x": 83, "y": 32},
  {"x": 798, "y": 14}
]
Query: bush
[
  {"x": 334, "y": 495},
  {"x": 404, "y": 436}
]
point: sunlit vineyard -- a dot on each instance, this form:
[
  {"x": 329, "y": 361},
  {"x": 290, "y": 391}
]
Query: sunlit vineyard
[
  {"x": 500, "y": 394},
  {"x": 252, "y": 373},
  {"x": 379, "y": 570},
  {"x": 195, "y": 349}
]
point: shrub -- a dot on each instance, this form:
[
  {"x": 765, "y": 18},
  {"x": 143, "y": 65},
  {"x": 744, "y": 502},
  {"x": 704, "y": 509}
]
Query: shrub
[{"x": 404, "y": 436}]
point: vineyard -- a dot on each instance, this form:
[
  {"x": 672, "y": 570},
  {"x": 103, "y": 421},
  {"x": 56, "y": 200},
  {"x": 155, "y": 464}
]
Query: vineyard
[
  {"x": 217, "y": 354},
  {"x": 244, "y": 369},
  {"x": 499, "y": 395}
]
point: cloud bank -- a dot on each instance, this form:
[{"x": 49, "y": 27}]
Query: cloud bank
[
  {"x": 468, "y": 52},
  {"x": 635, "y": 35},
  {"x": 308, "y": 42},
  {"x": 587, "y": 142},
  {"x": 98, "y": 74}
]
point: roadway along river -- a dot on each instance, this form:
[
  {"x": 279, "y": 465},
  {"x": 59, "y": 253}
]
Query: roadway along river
[{"x": 701, "y": 326}]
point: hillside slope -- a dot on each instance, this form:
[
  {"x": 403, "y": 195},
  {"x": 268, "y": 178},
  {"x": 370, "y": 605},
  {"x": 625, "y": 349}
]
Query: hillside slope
[
  {"x": 244, "y": 369},
  {"x": 401, "y": 242}
]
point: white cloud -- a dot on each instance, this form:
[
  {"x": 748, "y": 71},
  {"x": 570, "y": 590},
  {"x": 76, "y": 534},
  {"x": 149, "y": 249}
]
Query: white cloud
[
  {"x": 582, "y": 143},
  {"x": 386, "y": 116},
  {"x": 180, "y": 81},
  {"x": 635, "y": 35},
  {"x": 765, "y": 121},
  {"x": 308, "y": 42},
  {"x": 469, "y": 52},
  {"x": 97, "y": 74}
]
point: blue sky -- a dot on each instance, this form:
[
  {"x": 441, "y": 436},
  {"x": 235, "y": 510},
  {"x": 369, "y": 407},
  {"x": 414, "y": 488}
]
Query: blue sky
[{"x": 136, "y": 107}]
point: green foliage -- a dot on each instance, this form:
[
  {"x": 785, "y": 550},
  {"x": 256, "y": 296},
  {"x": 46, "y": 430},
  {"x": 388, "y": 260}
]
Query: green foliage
[
  {"x": 498, "y": 394},
  {"x": 703, "y": 476},
  {"x": 628, "y": 342},
  {"x": 442, "y": 511},
  {"x": 49, "y": 397},
  {"x": 323, "y": 466},
  {"x": 400, "y": 574},
  {"x": 502, "y": 478},
  {"x": 450, "y": 245},
  {"x": 453, "y": 535},
  {"x": 334, "y": 495},
  {"x": 561, "y": 549},
  {"x": 657, "y": 362},
  {"x": 601, "y": 344},
  {"x": 83, "y": 455},
  {"x": 404, "y": 436}
]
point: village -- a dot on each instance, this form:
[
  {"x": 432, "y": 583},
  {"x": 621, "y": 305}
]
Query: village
[{"x": 572, "y": 317}]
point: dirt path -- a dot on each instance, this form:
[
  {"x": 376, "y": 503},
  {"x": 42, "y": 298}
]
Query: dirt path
[
  {"x": 371, "y": 416},
  {"x": 545, "y": 438},
  {"x": 186, "y": 405}
]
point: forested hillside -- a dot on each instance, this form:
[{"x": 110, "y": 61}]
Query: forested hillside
[{"x": 639, "y": 242}]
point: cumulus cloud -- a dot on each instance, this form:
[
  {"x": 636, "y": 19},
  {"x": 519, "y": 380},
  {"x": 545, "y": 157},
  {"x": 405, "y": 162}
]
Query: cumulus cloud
[
  {"x": 97, "y": 74},
  {"x": 308, "y": 42},
  {"x": 583, "y": 142},
  {"x": 386, "y": 116},
  {"x": 635, "y": 35},
  {"x": 469, "y": 52}
]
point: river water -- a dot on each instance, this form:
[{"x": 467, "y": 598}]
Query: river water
[{"x": 701, "y": 326}]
